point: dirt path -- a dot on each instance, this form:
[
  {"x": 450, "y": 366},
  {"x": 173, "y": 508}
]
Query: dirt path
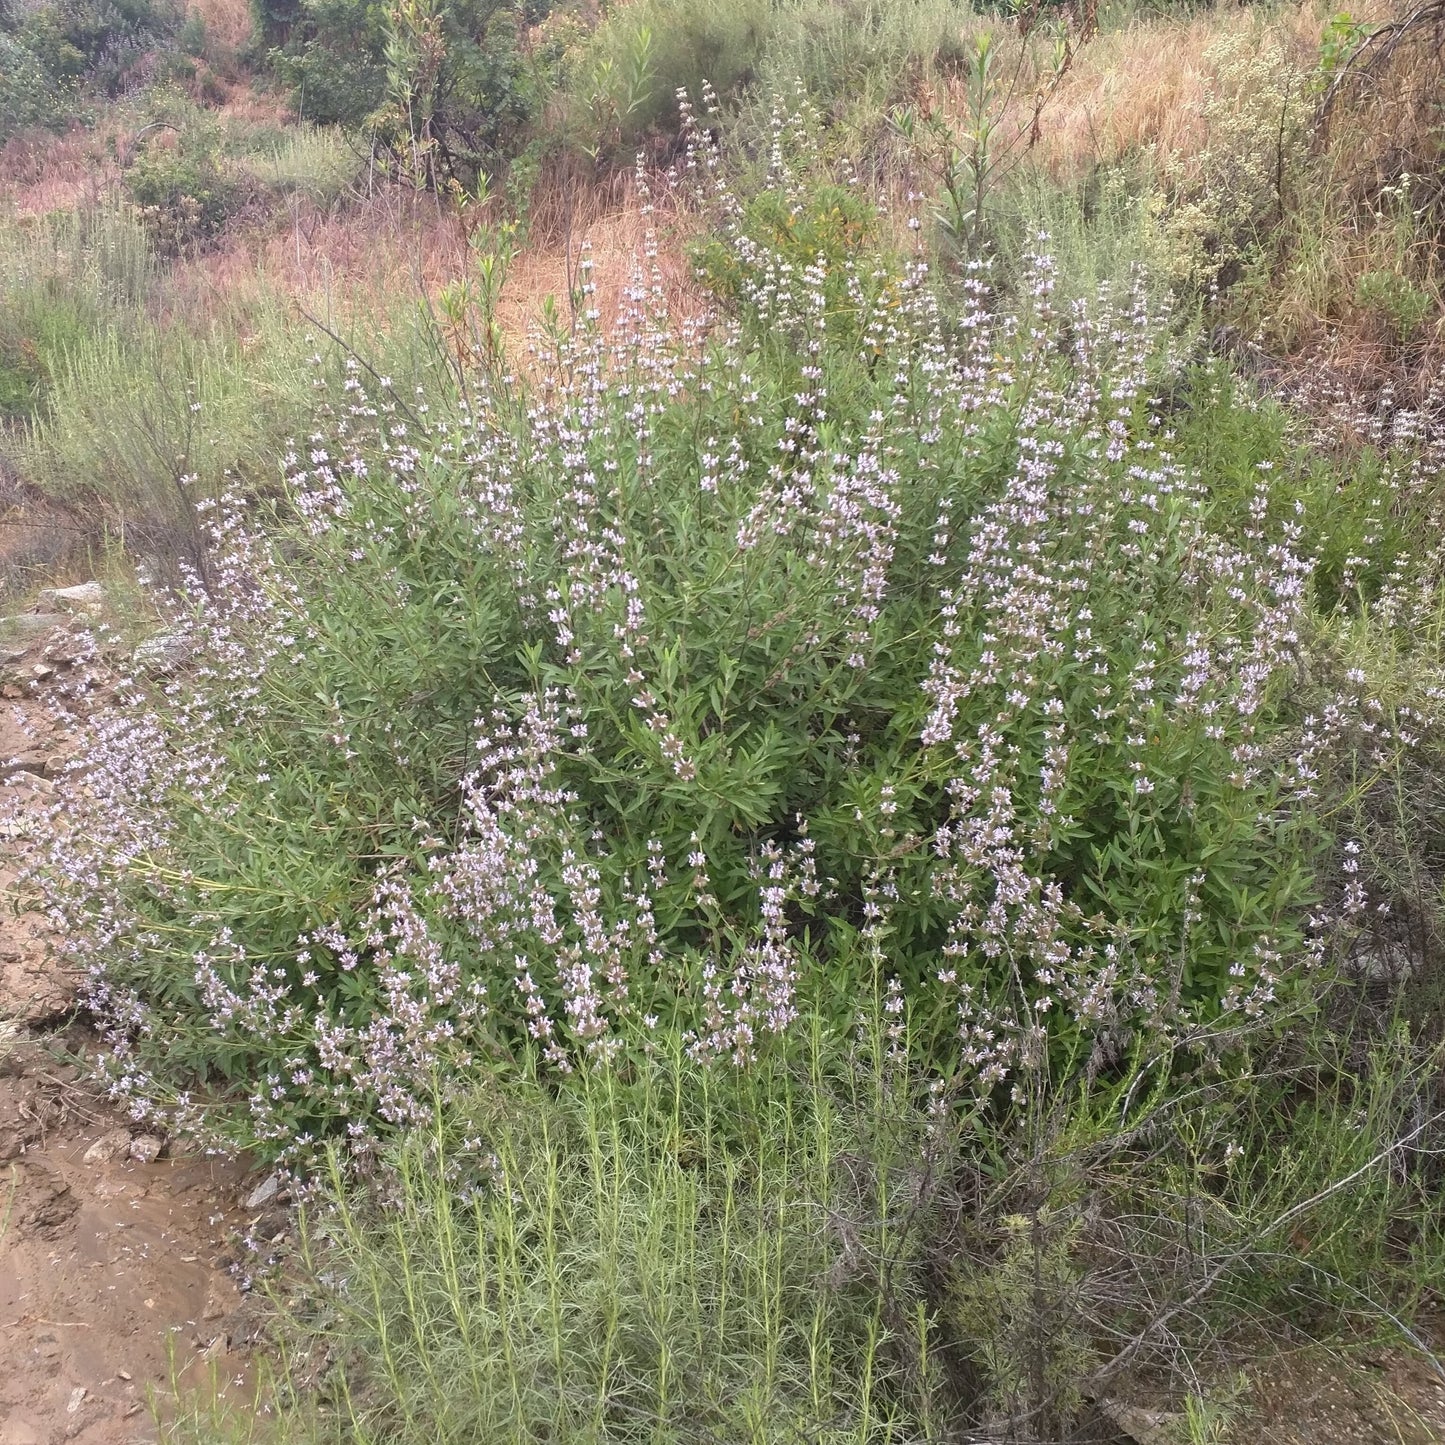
[{"x": 114, "y": 1279}]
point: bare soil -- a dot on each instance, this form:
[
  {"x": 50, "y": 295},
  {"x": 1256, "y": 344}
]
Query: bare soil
[{"x": 115, "y": 1286}]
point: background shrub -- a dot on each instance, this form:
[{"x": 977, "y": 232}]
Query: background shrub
[
  {"x": 184, "y": 193},
  {"x": 29, "y": 94}
]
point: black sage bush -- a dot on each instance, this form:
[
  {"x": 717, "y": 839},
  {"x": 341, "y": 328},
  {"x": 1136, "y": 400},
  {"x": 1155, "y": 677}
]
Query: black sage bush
[{"x": 720, "y": 675}]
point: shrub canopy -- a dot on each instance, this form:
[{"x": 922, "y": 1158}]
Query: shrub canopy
[{"x": 725, "y": 672}]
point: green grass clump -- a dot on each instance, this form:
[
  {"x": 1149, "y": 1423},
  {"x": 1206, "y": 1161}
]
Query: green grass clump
[
  {"x": 626, "y": 1259},
  {"x": 827, "y": 1245},
  {"x": 852, "y": 59},
  {"x": 62, "y": 277},
  {"x": 145, "y": 421}
]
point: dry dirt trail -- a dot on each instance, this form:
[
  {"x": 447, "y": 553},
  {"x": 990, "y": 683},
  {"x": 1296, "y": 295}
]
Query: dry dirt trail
[{"x": 114, "y": 1282}]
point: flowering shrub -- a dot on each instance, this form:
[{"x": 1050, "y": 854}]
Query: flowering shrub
[
  {"x": 721, "y": 676},
  {"x": 1224, "y": 196}
]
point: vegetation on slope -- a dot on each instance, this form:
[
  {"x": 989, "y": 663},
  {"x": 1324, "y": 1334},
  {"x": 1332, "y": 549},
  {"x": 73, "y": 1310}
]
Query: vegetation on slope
[{"x": 843, "y": 840}]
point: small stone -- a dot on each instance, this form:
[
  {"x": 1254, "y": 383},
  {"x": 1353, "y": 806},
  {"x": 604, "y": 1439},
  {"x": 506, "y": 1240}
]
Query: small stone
[
  {"x": 77, "y": 1396},
  {"x": 217, "y": 1348},
  {"x": 265, "y": 1192},
  {"x": 87, "y": 597},
  {"x": 146, "y": 1148},
  {"x": 36, "y": 782},
  {"x": 163, "y": 654},
  {"x": 107, "y": 1147},
  {"x": 31, "y": 626},
  {"x": 42, "y": 672}
]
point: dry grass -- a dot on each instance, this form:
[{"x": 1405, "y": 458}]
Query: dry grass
[
  {"x": 1133, "y": 91},
  {"x": 609, "y": 226},
  {"x": 246, "y": 106},
  {"x": 228, "y": 22},
  {"x": 358, "y": 262},
  {"x": 40, "y": 173}
]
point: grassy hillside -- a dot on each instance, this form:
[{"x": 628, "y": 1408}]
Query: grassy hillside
[{"x": 805, "y": 799}]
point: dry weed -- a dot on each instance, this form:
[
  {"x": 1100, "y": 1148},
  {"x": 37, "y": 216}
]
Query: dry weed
[
  {"x": 228, "y": 22},
  {"x": 1143, "y": 88},
  {"x": 357, "y": 262},
  {"x": 40, "y": 173}
]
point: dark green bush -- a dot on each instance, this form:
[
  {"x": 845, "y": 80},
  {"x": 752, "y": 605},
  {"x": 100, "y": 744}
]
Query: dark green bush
[
  {"x": 850, "y": 648},
  {"x": 29, "y": 94},
  {"x": 331, "y": 55},
  {"x": 442, "y": 89},
  {"x": 52, "y": 53}
]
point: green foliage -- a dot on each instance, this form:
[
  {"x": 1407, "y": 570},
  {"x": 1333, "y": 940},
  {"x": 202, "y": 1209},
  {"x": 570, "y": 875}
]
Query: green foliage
[
  {"x": 316, "y": 162},
  {"x": 442, "y": 90},
  {"x": 1015, "y": 1308},
  {"x": 191, "y": 37},
  {"x": 184, "y": 193},
  {"x": 29, "y": 94},
  {"x": 828, "y": 228},
  {"x": 627, "y": 1259},
  {"x": 143, "y": 423},
  {"x": 615, "y": 95},
  {"x": 768, "y": 717},
  {"x": 332, "y": 60},
  {"x": 1221, "y": 202},
  {"x": 61, "y": 277},
  {"x": 108, "y": 390},
  {"x": 860, "y": 56},
  {"x": 691, "y": 46},
  {"x": 49, "y": 54},
  {"x": 823, "y": 1246},
  {"x": 1341, "y": 36},
  {"x": 1401, "y": 304}
]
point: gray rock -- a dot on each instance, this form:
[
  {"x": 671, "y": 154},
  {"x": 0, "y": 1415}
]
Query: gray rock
[
  {"x": 163, "y": 654},
  {"x": 146, "y": 1148},
  {"x": 107, "y": 1147},
  {"x": 267, "y": 1190},
  {"x": 1144, "y": 1427},
  {"x": 1382, "y": 961},
  {"x": 87, "y": 597},
  {"x": 31, "y": 626},
  {"x": 24, "y": 778}
]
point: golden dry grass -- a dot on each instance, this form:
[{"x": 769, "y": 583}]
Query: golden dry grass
[
  {"x": 1134, "y": 90},
  {"x": 228, "y": 22},
  {"x": 40, "y": 173},
  {"x": 359, "y": 262}
]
